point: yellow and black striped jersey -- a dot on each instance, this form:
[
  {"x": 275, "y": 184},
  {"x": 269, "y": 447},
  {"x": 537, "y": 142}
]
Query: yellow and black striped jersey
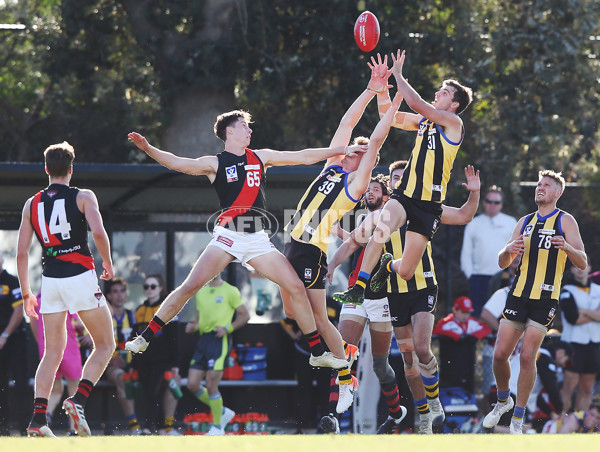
[
  {"x": 430, "y": 164},
  {"x": 540, "y": 272},
  {"x": 325, "y": 202},
  {"x": 424, "y": 274}
]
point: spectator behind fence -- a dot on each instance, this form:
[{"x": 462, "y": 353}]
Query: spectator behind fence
[
  {"x": 13, "y": 351},
  {"x": 217, "y": 304},
  {"x": 580, "y": 306},
  {"x": 162, "y": 356},
  {"x": 484, "y": 237},
  {"x": 115, "y": 291},
  {"x": 70, "y": 367},
  {"x": 459, "y": 333}
]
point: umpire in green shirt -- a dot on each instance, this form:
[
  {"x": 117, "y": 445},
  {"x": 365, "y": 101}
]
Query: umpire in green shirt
[{"x": 217, "y": 303}]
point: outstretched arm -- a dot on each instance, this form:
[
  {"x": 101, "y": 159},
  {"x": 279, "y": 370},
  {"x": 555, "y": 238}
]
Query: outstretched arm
[
  {"x": 345, "y": 250},
  {"x": 357, "y": 238},
  {"x": 402, "y": 120},
  {"x": 206, "y": 165},
  {"x": 417, "y": 104},
  {"x": 453, "y": 215},
  {"x": 377, "y": 84},
  {"x": 361, "y": 177},
  {"x": 270, "y": 157}
]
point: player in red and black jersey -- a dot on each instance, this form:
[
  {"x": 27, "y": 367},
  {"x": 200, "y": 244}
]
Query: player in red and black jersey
[
  {"x": 237, "y": 174},
  {"x": 59, "y": 217}
]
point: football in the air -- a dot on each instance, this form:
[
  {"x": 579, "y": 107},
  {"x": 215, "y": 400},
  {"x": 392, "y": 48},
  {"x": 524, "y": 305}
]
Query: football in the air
[{"x": 366, "y": 31}]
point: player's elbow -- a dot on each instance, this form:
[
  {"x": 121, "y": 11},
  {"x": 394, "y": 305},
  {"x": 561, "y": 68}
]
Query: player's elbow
[{"x": 406, "y": 274}]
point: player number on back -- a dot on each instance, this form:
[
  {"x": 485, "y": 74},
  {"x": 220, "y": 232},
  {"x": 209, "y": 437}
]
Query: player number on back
[
  {"x": 58, "y": 223},
  {"x": 326, "y": 187},
  {"x": 253, "y": 178}
]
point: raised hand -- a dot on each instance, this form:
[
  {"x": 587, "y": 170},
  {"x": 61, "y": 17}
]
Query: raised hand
[
  {"x": 473, "y": 181},
  {"x": 357, "y": 149},
  {"x": 398, "y": 63},
  {"x": 139, "y": 141},
  {"x": 379, "y": 75}
]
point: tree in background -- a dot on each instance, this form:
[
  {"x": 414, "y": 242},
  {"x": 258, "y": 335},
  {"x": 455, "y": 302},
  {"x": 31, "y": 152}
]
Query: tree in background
[{"x": 91, "y": 70}]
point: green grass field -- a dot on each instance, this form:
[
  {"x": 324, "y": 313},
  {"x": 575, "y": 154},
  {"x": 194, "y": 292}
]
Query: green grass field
[{"x": 306, "y": 443}]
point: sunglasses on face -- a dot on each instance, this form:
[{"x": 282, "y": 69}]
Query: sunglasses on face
[
  {"x": 150, "y": 286},
  {"x": 490, "y": 201}
]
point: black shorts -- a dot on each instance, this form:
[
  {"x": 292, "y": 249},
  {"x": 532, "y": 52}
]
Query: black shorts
[
  {"x": 404, "y": 305},
  {"x": 211, "y": 352},
  {"x": 585, "y": 359},
  {"x": 309, "y": 262},
  {"x": 424, "y": 217},
  {"x": 519, "y": 310}
]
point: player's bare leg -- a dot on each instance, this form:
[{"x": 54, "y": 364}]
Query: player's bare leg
[
  {"x": 391, "y": 218},
  {"x": 211, "y": 262},
  {"x": 508, "y": 337},
  {"x": 278, "y": 269},
  {"x": 55, "y": 341},
  {"x": 98, "y": 322}
]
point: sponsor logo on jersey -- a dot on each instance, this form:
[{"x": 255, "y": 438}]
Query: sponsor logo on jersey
[
  {"x": 51, "y": 193},
  {"x": 510, "y": 312},
  {"x": 547, "y": 231},
  {"x": 439, "y": 188},
  {"x": 309, "y": 229},
  {"x": 528, "y": 230},
  {"x": 231, "y": 173},
  {"x": 307, "y": 273},
  {"x": 225, "y": 241},
  {"x": 551, "y": 313},
  {"x": 430, "y": 300},
  {"x": 98, "y": 295},
  {"x": 428, "y": 274},
  {"x": 334, "y": 178},
  {"x": 549, "y": 287},
  {"x": 251, "y": 167},
  {"x": 219, "y": 299}
]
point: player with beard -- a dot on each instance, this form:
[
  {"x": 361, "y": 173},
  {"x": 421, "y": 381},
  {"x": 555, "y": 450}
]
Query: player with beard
[
  {"x": 375, "y": 309},
  {"x": 333, "y": 193},
  {"x": 409, "y": 311}
]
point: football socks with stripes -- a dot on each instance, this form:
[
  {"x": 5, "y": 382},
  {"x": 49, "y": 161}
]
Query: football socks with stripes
[
  {"x": 315, "y": 343},
  {"x": 83, "y": 392},
  {"x": 154, "y": 327}
]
